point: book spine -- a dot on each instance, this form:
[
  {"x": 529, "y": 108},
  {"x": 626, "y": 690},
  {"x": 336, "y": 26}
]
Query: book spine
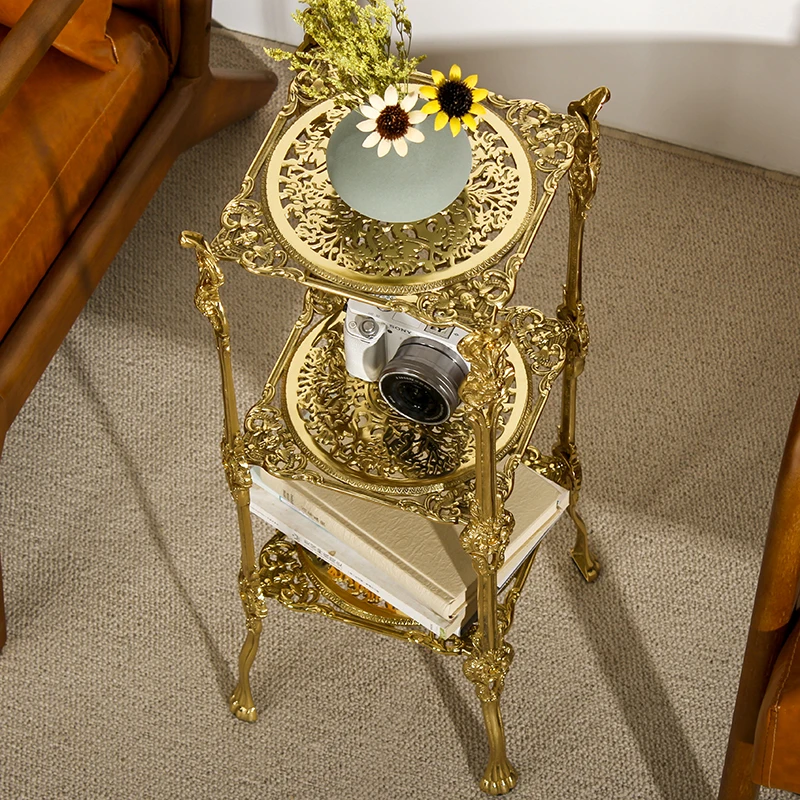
[
  {"x": 512, "y": 562},
  {"x": 347, "y": 569}
]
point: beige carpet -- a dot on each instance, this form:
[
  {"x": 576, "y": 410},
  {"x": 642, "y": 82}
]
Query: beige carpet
[{"x": 120, "y": 544}]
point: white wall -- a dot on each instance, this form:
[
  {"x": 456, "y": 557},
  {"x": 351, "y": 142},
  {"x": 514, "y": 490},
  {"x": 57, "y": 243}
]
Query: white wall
[
  {"x": 270, "y": 19},
  {"x": 721, "y": 76}
]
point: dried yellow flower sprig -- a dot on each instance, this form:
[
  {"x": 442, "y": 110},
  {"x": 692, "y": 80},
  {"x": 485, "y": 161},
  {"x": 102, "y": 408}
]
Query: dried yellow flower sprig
[{"x": 354, "y": 56}]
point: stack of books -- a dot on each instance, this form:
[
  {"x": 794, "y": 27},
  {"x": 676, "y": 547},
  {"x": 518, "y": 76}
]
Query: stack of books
[{"x": 412, "y": 563}]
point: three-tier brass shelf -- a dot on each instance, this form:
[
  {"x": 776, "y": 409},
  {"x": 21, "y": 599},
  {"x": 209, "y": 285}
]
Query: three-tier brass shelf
[{"x": 315, "y": 422}]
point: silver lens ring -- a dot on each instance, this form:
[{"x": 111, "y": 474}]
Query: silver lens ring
[{"x": 421, "y": 382}]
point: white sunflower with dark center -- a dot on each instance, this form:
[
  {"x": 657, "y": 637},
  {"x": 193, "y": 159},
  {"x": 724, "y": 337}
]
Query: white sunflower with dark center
[{"x": 390, "y": 122}]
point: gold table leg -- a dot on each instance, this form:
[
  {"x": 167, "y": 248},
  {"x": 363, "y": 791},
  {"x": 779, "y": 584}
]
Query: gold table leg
[
  {"x": 255, "y": 609},
  {"x": 583, "y": 185},
  {"x": 237, "y": 470},
  {"x": 485, "y": 538}
]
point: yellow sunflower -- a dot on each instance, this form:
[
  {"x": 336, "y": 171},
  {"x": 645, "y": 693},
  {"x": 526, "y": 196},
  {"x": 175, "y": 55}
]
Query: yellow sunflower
[{"x": 453, "y": 100}]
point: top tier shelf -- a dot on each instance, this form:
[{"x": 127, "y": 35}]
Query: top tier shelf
[{"x": 287, "y": 220}]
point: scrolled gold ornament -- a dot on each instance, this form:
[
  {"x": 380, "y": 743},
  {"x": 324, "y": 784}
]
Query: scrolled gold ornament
[
  {"x": 486, "y": 539},
  {"x": 491, "y": 374},
  {"x": 254, "y": 600},
  {"x": 487, "y": 670},
  {"x": 210, "y": 279},
  {"x": 235, "y": 464}
]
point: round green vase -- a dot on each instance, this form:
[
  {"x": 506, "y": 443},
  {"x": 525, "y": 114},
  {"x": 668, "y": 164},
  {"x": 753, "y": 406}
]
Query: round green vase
[{"x": 398, "y": 188}]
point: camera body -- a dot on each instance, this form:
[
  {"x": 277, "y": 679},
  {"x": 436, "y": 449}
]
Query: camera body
[{"x": 417, "y": 367}]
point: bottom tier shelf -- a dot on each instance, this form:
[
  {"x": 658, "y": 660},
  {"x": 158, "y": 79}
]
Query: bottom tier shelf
[{"x": 300, "y": 581}]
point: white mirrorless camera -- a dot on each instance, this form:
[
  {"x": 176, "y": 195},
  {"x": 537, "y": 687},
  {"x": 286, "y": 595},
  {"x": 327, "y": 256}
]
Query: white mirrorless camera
[{"x": 417, "y": 367}]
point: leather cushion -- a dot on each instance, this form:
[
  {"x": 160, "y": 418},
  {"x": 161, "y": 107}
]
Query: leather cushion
[
  {"x": 83, "y": 38},
  {"x": 165, "y": 15},
  {"x": 60, "y": 138},
  {"x": 776, "y": 753}
]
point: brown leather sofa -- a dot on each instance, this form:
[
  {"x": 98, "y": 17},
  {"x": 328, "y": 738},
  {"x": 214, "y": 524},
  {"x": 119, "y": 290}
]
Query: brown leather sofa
[
  {"x": 764, "y": 743},
  {"x": 88, "y": 129}
]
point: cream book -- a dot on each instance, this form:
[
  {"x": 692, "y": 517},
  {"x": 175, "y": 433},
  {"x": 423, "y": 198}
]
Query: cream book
[
  {"x": 269, "y": 506},
  {"x": 420, "y": 563}
]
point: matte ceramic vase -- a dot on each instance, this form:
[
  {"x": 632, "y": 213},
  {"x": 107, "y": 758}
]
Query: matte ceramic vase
[{"x": 398, "y": 188}]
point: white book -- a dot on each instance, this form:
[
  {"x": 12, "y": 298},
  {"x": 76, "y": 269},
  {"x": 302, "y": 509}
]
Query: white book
[
  {"x": 413, "y": 563},
  {"x": 274, "y": 510}
]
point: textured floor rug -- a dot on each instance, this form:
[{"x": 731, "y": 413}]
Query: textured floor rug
[{"x": 120, "y": 544}]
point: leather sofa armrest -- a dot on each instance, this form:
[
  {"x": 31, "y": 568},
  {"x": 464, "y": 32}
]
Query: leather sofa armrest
[{"x": 29, "y": 40}]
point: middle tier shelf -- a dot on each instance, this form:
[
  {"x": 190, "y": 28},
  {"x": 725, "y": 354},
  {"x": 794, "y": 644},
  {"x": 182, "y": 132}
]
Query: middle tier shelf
[{"x": 316, "y": 422}]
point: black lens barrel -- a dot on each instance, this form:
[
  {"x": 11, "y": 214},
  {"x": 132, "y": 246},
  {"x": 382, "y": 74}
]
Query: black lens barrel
[{"x": 421, "y": 382}]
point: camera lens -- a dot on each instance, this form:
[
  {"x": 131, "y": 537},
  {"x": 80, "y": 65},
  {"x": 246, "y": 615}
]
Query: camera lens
[
  {"x": 414, "y": 399},
  {"x": 421, "y": 381}
]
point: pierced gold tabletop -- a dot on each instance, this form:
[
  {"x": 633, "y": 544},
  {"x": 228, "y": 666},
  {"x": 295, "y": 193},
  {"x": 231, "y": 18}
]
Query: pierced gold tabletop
[
  {"x": 345, "y": 425},
  {"x": 349, "y": 249},
  {"x": 457, "y": 265}
]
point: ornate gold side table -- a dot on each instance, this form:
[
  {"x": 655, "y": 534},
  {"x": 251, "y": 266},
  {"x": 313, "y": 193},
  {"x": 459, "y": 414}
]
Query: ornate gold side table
[{"x": 315, "y": 422}]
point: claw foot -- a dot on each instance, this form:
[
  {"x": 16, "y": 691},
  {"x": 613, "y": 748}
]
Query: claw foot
[
  {"x": 499, "y": 778},
  {"x": 244, "y": 711},
  {"x": 586, "y": 563},
  {"x": 581, "y": 554}
]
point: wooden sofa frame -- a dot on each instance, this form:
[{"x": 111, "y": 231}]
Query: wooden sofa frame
[{"x": 197, "y": 103}]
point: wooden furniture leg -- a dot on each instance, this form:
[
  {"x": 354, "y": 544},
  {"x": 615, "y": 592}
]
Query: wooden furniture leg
[{"x": 772, "y": 620}]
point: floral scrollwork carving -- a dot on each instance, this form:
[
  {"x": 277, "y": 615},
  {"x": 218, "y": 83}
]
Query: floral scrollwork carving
[
  {"x": 543, "y": 341},
  {"x": 489, "y": 380},
  {"x": 254, "y": 600},
  {"x": 325, "y": 303},
  {"x": 234, "y": 461},
  {"x": 486, "y": 539},
  {"x": 472, "y": 301},
  {"x": 495, "y": 286},
  {"x": 534, "y": 121},
  {"x": 586, "y": 165},
  {"x": 245, "y": 237},
  {"x": 281, "y": 575},
  {"x": 267, "y": 441},
  {"x": 553, "y": 159},
  {"x": 437, "y": 308},
  {"x": 549, "y": 135},
  {"x": 210, "y": 279},
  {"x": 487, "y": 669}
]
